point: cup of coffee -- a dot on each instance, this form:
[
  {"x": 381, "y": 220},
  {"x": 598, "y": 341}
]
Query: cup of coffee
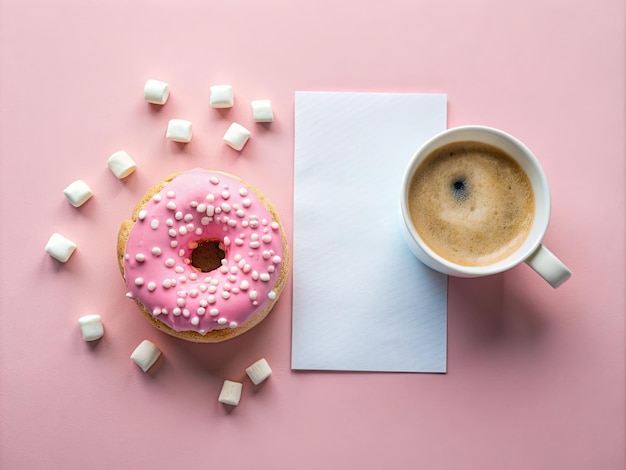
[{"x": 476, "y": 202}]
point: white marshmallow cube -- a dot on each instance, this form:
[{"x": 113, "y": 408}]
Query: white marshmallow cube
[
  {"x": 231, "y": 393},
  {"x": 179, "y": 130},
  {"x": 262, "y": 111},
  {"x": 121, "y": 164},
  {"x": 259, "y": 371},
  {"x": 221, "y": 96},
  {"x": 236, "y": 136},
  {"x": 60, "y": 248},
  {"x": 91, "y": 327},
  {"x": 78, "y": 193},
  {"x": 145, "y": 355},
  {"x": 156, "y": 92}
]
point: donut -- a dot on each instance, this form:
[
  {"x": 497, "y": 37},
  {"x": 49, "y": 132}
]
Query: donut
[{"x": 204, "y": 255}]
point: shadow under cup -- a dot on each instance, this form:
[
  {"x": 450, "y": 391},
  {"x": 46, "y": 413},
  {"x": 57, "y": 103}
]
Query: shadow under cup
[{"x": 529, "y": 164}]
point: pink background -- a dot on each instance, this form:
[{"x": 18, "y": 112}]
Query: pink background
[{"x": 536, "y": 376}]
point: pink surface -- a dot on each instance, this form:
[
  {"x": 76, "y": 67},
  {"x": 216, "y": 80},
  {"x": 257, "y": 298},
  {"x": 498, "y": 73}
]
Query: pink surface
[{"x": 536, "y": 376}]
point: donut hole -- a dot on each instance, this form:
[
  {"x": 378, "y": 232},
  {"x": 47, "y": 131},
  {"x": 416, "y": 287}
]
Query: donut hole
[{"x": 208, "y": 255}]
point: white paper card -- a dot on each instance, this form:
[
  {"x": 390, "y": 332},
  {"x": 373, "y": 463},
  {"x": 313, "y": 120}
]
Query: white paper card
[{"x": 361, "y": 300}]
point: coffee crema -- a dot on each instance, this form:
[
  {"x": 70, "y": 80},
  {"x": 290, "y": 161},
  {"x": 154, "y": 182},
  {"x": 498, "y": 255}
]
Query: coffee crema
[{"x": 471, "y": 203}]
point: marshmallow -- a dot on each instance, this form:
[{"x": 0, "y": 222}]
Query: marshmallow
[
  {"x": 60, "y": 247},
  {"x": 179, "y": 130},
  {"x": 262, "y": 111},
  {"x": 121, "y": 164},
  {"x": 231, "y": 393},
  {"x": 145, "y": 355},
  {"x": 236, "y": 136},
  {"x": 259, "y": 371},
  {"x": 91, "y": 327},
  {"x": 221, "y": 96},
  {"x": 78, "y": 193},
  {"x": 156, "y": 92}
]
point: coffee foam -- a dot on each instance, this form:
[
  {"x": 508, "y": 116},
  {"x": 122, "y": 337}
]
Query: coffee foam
[{"x": 471, "y": 203}]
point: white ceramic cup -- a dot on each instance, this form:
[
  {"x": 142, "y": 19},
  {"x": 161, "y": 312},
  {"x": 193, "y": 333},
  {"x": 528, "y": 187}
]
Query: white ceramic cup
[{"x": 532, "y": 251}]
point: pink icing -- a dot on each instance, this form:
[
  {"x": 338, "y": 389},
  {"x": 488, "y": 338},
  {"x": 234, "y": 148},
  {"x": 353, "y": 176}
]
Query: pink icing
[{"x": 195, "y": 206}]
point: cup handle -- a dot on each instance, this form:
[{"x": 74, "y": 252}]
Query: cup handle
[{"x": 548, "y": 266}]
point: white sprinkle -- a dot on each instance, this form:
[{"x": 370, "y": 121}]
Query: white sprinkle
[
  {"x": 214, "y": 282},
  {"x": 193, "y": 293},
  {"x": 198, "y": 231},
  {"x": 233, "y": 324},
  {"x": 234, "y": 269},
  {"x": 275, "y": 225},
  {"x": 203, "y": 303},
  {"x": 154, "y": 224},
  {"x": 254, "y": 237},
  {"x": 201, "y": 207},
  {"x": 240, "y": 213},
  {"x": 210, "y": 210},
  {"x": 225, "y": 295},
  {"x": 276, "y": 259},
  {"x": 211, "y": 299},
  {"x": 169, "y": 222},
  {"x": 243, "y": 192},
  {"x": 226, "y": 241},
  {"x": 126, "y": 256},
  {"x": 225, "y": 207},
  {"x": 254, "y": 244},
  {"x": 167, "y": 283},
  {"x": 171, "y": 205},
  {"x": 180, "y": 302},
  {"x": 179, "y": 269},
  {"x": 225, "y": 194},
  {"x": 182, "y": 230},
  {"x": 139, "y": 281},
  {"x": 193, "y": 276},
  {"x": 271, "y": 295},
  {"x": 244, "y": 285},
  {"x": 171, "y": 194},
  {"x": 140, "y": 257},
  {"x": 246, "y": 203},
  {"x": 253, "y": 295},
  {"x": 246, "y": 268},
  {"x": 193, "y": 204},
  {"x": 178, "y": 215},
  {"x": 174, "y": 243},
  {"x": 181, "y": 252},
  {"x": 214, "y": 312},
  {"x": 182, "y": 279},
  {"x": 238, "y": 241},
  {"x": 264, "y": 221},
  {"x": 266, "y": 238},
  {"x": 271, "y": 268},
  {"x": 186, "y": 313},
  {"x": 214, "y": 180},
  {"x": 169, "y": 262},
  {"x": 201, "y": 311},
  {"x": 188, "y": 217},
  {"x": 151, "y": 286},
  {"x": 142, "y": 214},
  {"x": 156, "y": 312},
  {"x": 176, "y": 311},
  {"x": 129, "y": 295},
  {"x": 210, "y": 198},
  {"x": 264, "y": 277},
  {"x": 172, "y": 232},
  {"x": 245, "y": 223},
  {"x": 222, "y": 321},
  {"x": 195, "y": 321},
  {"x": 212, "y": 289},
  {"x": 205, "y": 221},
  {"x": 266, "y": 255},
  {"x": 156, "y": 197}
]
